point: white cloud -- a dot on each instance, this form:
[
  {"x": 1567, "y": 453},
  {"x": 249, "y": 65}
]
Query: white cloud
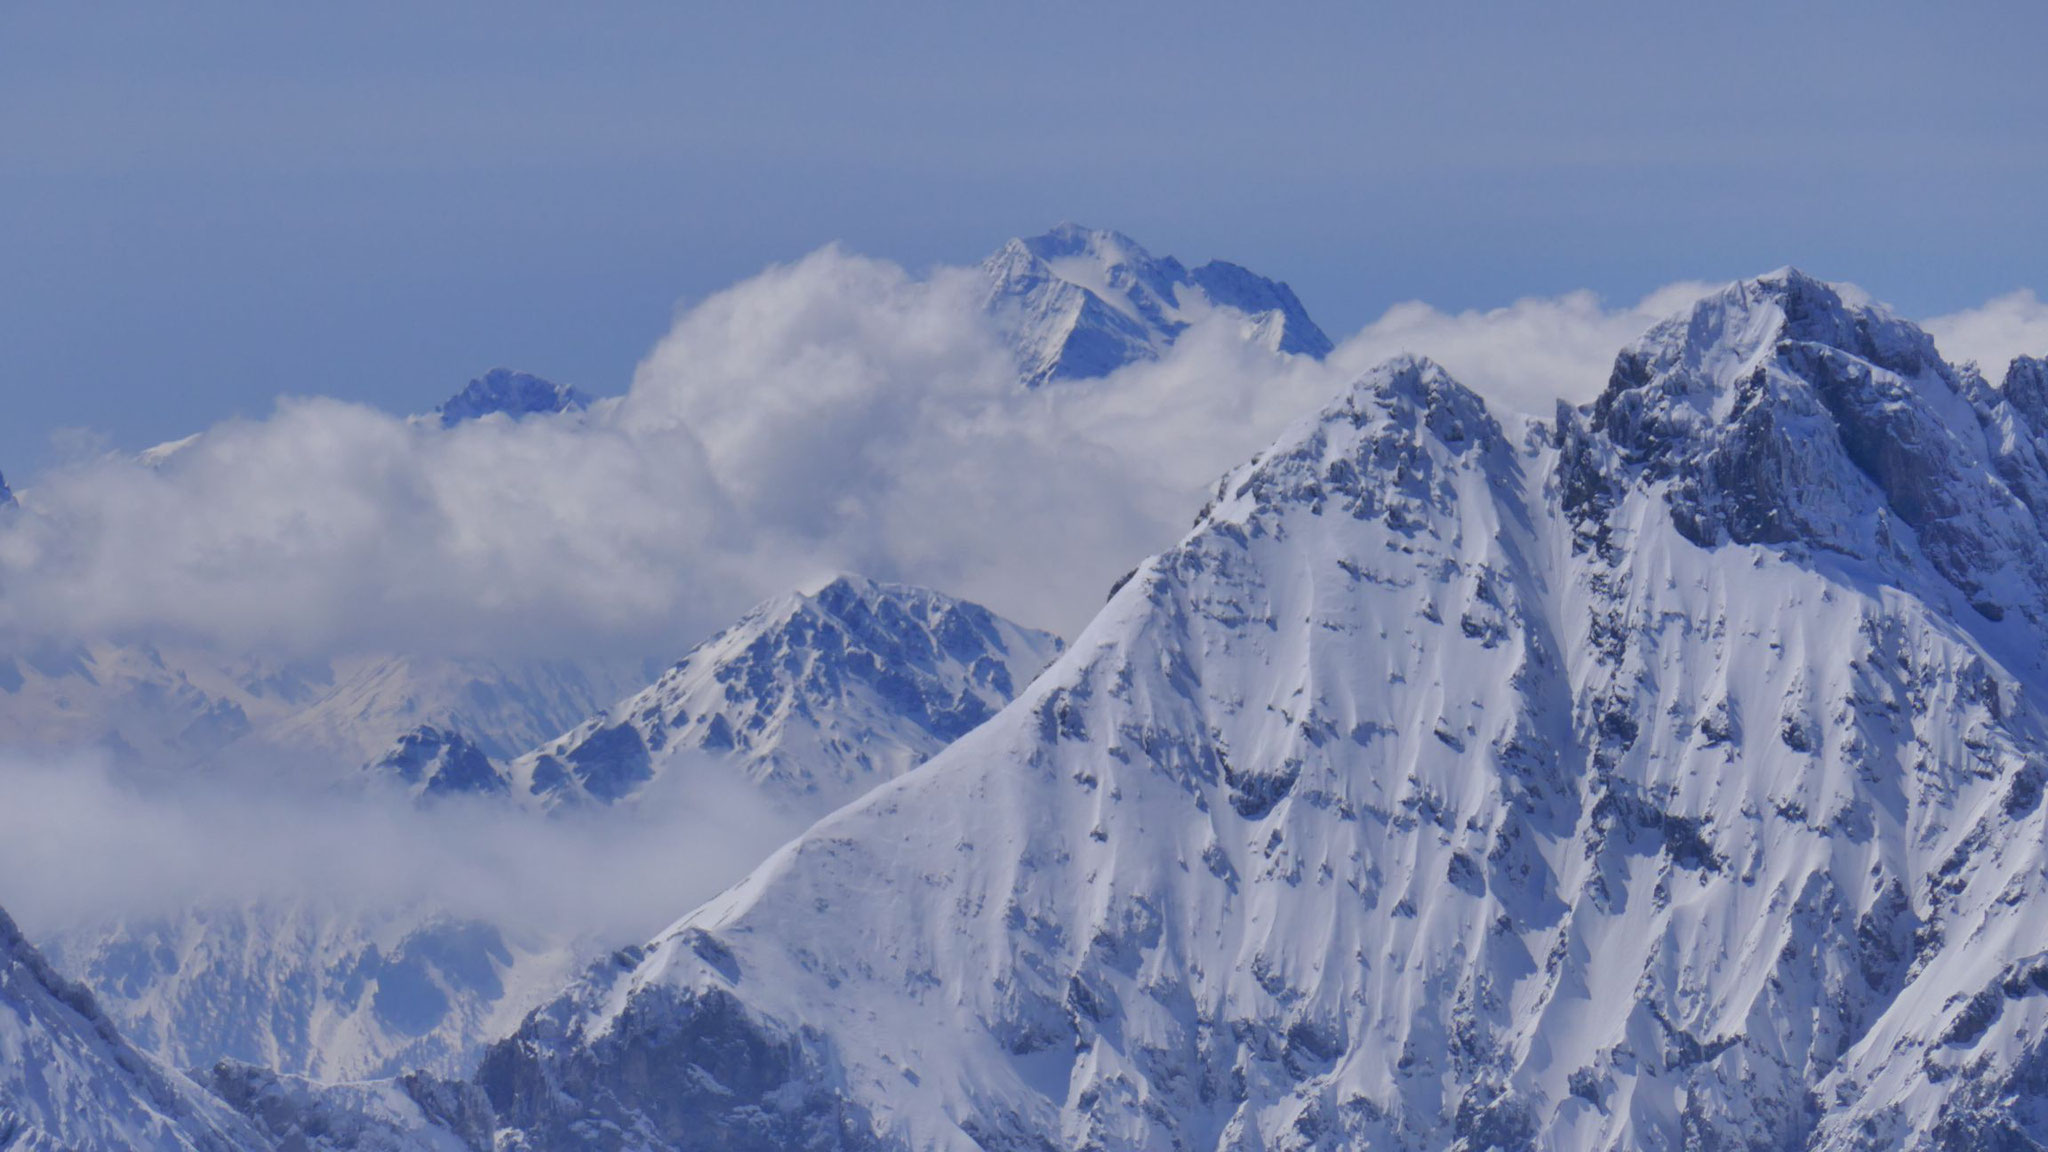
[
  {"x": 330, "y": 524},
  {"x": 834, "y": 413},
  {"x": 80, "y": 845},
  {"x": 1526, "y": 356},
  {"x": 2015, "y": 324}
]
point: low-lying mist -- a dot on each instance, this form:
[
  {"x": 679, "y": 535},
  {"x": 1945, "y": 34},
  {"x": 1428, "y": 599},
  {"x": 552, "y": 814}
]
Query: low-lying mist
[{"x": 81, "y": 846}]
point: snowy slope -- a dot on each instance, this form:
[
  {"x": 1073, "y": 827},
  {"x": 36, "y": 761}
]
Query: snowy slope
[
  {"x": 813, "y": 698},
  {"x": 70, "y": 1083},
  {"x": 317, "y": 987},
  {"x": 1668, "y": 778},
  {"x": 1080, "y": 302}
]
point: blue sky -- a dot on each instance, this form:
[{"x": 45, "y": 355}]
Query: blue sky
[{"x": 199, "y": 212}]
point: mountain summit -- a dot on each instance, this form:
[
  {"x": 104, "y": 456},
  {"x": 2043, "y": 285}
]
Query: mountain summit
[
  {"x": 514, "y": 394},
  {"x": 814, "y": 698},
  {"x": 1080, "y": 302},
  {"x": 808, "y": 701},
  {"x": 1672, "y": 780},
  {"x": 1779, "y": 413}
]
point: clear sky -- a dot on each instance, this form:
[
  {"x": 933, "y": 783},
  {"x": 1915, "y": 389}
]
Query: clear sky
[{"x": 199, "y": 212}]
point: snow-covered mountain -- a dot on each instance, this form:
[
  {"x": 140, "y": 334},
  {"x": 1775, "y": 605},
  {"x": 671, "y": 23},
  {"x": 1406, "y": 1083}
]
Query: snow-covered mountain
[
  {"x": 502, "y": 391},
  {"x": 430, "y": 763},
  {"x": 813, "y": 698},
  {"x": 70, "y": 1083},
  {"x": 1079, "y": 302},
  {"x": 6, "y": 494},
  {"x": 1668, "y": 777}
]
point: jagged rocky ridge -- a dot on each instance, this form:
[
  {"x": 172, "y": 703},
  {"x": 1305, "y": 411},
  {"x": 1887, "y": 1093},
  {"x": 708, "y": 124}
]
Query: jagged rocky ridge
[
  {"x": 812, "y": 698},
  {"x": 430, "y": 763},
  {"x": 1080, "y": 302},
  {"x": 1668, "y": 777},
  {"x": 502, "y": 391},
  {"x": 407, "y": 1113}
]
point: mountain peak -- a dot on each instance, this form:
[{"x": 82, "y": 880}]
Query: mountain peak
[
  {"x": 1068, "y": 238},
  {"x": 1379, "y": 812},
  {"x": 1713, "y": 346},
  {"x": 515, "y": 394},
  {"x": 1387, "y": 449},
  {"x": 431, "y": 763},
  {"x": 1411, "y": 391},
  {"x": 1784, "y": 410},
  {"x": 1421, "y": 384},
  {"x": 1079, "y": 302},
  {"x": 812, "y": 696}
]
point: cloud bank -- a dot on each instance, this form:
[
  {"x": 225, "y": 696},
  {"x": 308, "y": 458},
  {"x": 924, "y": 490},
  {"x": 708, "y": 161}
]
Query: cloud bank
[
  {"x": 833, "y": 413},
  {"x": 2015, "y": 324},
  {"x": 81, "y": 845}
]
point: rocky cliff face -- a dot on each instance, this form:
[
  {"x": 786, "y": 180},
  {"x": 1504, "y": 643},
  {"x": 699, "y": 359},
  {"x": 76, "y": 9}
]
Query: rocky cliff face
[{"x": 1667, "y": 777}]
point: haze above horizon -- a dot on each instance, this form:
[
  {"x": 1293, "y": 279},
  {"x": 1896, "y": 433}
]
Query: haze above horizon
[{"x": 199, "y": 213}]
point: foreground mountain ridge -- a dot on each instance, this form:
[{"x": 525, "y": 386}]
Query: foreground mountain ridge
[{"x": 1667, "y": 776}]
